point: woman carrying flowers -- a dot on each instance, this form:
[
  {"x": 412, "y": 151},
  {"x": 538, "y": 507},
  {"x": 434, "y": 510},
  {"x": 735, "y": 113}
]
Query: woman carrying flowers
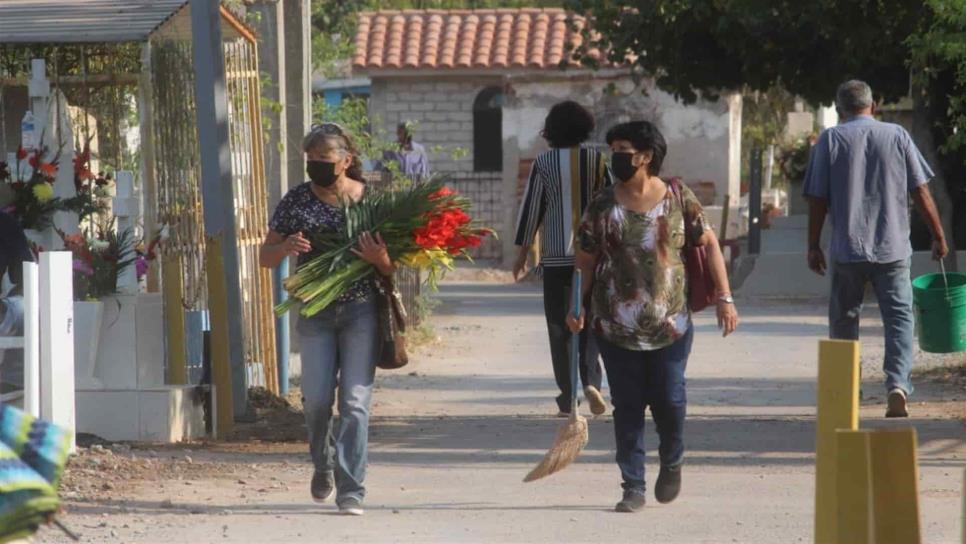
[{"x": 338, "y": 344}]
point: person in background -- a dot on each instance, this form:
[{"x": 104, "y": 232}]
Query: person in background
[
  {"x": 861, "y": 174},
  {"x": 338, "y": 344},
  {"x": 630, "y": 253},
  {"x": 562, "y": 182},
  {"x": 14, "y": 251},
  {"x": 410, "y": 156}
]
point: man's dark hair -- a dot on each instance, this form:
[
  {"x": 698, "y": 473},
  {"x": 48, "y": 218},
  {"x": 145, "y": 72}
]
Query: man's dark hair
[
  {"x": 567, "y": 125},
  {"x": 407, "y": 129},
  {"x": 644, "y": 136}
]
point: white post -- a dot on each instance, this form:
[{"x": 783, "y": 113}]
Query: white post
[
  {"x": 31, "y": 337},
  {"x": 769, "y": 165},
  {"x": 127, "y": 208},
  {"x": 57, "y": 338}
]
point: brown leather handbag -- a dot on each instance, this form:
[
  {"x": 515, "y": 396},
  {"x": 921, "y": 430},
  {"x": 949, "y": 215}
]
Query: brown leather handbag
[
  {"x": 697, "y": 266},
  {"x": 392, "y": 325}
]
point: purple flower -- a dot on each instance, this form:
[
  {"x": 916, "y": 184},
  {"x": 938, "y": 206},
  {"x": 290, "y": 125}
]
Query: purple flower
[{"x": 83, "y": 268}]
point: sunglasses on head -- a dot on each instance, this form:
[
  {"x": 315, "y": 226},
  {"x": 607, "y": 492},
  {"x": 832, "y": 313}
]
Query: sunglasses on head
[{"x": 328, "y": 128}]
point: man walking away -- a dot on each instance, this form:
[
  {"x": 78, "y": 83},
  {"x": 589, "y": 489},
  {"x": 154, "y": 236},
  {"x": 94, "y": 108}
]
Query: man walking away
[
  {"x": 562, "y": 183},
  {"x": 862, "y": 172},
  {"x": 411, "y": 157}
]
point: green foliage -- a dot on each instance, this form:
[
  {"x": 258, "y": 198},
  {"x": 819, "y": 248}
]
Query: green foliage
[
  {"x": 700, "y": 47},
  {"x": 939, "y": 58},
  {"x": 764, "y": 116}
]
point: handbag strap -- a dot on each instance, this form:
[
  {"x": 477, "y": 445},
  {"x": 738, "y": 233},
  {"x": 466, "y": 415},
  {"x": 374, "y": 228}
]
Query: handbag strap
[
  {"x": 388, "y": 287},
  {"x": 676, "y": 190}
]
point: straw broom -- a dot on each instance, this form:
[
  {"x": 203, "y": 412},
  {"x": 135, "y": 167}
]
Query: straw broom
[{"x": 572, "y": 435}]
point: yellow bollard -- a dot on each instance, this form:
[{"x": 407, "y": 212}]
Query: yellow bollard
[
  {"x": 854, "y": 486},
  {"x": 172, "y": 292},
  {"x": 895, "y": 485},
  {"x": 220, "y": 358},
  {"x": 838, "y": 408}
]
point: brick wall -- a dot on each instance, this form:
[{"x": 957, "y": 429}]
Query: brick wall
[{"x": 441, "y": 109}]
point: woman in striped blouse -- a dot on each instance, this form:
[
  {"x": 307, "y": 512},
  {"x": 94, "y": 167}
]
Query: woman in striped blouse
[{"x": 562, "y": 182}]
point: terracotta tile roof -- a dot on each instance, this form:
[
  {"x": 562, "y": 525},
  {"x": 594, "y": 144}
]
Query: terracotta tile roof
[{"x": 484, "y": 38}]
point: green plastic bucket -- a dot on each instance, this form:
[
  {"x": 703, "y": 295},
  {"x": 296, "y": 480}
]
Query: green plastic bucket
[{"x": 940, "y": 314}]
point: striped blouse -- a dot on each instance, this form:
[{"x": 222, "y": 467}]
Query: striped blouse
[{"x": 562, "y": 182}]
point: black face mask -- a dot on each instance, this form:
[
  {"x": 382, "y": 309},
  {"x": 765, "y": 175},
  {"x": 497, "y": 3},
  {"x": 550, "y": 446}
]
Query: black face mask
[
  {"x": 621, "y": 164},
  {"x": 322, "y": 173}
]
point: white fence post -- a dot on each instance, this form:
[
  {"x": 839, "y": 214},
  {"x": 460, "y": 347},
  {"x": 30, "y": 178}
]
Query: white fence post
[
  {"x": 31, "y": 337},
  {"x": 57, "y": 338},
  {"x": 127, "y": 209}
]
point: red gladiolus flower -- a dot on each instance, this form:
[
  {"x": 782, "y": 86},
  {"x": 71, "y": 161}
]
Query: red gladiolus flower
[
  {"x": 34, "y": 161},
  {"x": 21, "y": 153},
  {"x": 49, "y": 170},
  {"x": 441, "y": 194}
]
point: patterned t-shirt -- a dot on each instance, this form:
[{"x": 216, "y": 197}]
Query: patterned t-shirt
[
  {"x": 301, "y": 211},
  {"x": 639, "y": 300}
]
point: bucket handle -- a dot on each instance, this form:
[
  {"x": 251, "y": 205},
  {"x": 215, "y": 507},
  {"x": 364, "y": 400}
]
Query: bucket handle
[{"x": 942, "y": 268}]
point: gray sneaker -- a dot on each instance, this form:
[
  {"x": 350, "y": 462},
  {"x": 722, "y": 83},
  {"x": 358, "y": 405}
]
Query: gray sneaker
[
  {"x": 351, "y": 506},
  {"x": 896, "y": 402},
  {"x": 323, "y": 485},
  {"x": 633, "y": 501}
]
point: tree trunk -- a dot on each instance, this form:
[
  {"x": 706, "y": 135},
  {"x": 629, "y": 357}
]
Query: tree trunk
[{"x": 923, "y": 137}]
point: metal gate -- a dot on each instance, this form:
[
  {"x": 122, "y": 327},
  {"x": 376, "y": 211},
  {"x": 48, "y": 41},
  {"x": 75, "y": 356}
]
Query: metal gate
[{"x": 179, "y": 201}]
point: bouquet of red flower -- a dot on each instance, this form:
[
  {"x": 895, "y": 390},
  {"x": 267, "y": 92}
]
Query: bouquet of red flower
[
  {"x": 29, "y": 191},
  {"x": 424, "y": 226}
]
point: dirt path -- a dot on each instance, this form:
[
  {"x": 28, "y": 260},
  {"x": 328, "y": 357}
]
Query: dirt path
[{"x": 453, "y": 435}]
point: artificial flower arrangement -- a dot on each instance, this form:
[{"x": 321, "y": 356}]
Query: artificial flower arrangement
[
  {"x": 27, "y": 190},
  {"x": 425, "y": 226},
  {"x": 100, "y": 259}
]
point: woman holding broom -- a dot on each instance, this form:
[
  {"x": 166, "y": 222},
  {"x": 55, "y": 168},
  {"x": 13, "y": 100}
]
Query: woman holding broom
[
  {"x": 339, "y": 343},
  {"x": 630, "y": 255}
]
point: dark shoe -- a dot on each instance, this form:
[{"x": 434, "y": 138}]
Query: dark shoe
[
  {"x": 897, "y": 404},
  {"x": 633, "y": 501},
  {"x": 323, "y": 485},
  {"x": 668, "y": 484},
  {"x": 351, "y": 506}
]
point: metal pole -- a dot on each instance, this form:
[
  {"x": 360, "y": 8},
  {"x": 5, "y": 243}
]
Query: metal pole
[
  {"x": 281, "y": 328},
  {"x": 754, "y": 204},
  {"x": 224, "y": 285}
]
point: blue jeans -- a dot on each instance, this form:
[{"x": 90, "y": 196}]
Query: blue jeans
[
  {"x": 893, "y": 289},
  {"x": 639, "y": 379},
  {"x": 338, "y": 347}
]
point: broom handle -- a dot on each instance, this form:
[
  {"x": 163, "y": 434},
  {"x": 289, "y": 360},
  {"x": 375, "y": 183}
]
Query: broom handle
[{"x": 575, "y": 343}]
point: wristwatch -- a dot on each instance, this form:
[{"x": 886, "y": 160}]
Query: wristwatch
[{"x": 727, "y": 299}]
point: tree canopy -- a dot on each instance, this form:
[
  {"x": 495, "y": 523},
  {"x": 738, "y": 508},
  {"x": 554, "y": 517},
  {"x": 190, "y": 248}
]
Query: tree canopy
[{"x": 902, "y": 48}]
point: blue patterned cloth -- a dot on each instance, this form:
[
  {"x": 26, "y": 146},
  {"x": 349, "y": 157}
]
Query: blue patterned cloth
[{"x": 33, "y": 454}]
